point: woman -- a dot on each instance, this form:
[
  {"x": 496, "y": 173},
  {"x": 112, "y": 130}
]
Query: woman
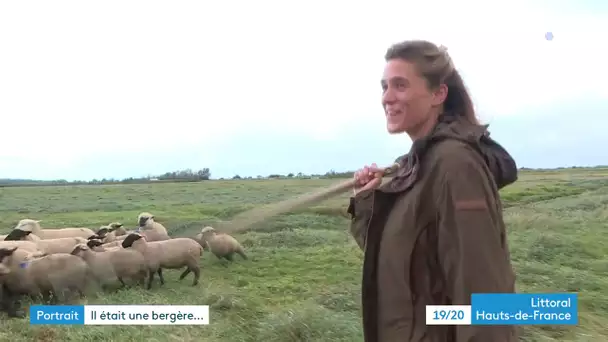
[{"x": 434, "y": 234}]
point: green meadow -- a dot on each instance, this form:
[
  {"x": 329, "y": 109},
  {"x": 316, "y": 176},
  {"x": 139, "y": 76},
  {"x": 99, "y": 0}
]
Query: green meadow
[{"x": 302, "y": 279}]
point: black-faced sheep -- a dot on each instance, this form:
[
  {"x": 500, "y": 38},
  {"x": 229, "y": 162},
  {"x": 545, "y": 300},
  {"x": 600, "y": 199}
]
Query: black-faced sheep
[
  {"x": 110, "y": 232},
  {"x": 49, "y": 246},
  {"x": 220, "y": 244},
  {"x": 52, "y": 274},
  {"x": 112, "y": 265},
  {"x": 52, "y": 233},
  {"x": 146, "y": 222},
  {"x": 150, "y": 235},
  {"x": 171, "y": 254}
]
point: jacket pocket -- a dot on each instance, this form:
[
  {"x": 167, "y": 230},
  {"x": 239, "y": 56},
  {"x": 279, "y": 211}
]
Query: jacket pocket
[{"x": 361, "y": 209}]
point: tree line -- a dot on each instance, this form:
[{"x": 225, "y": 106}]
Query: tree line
[{"x": 187, "y": 175}]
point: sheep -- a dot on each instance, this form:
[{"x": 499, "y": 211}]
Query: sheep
[
  {"x": 29, "y": 246},
  {"x": 151, "y": 236},
  {"x": 172, "y": 254},
  {"x": 99, "y": 246},
  {"x": 146, "y": 222},
  {"x": 49, "y": 246},
  {"x": 114, "y": 264},
  {"x": 51, "y": 233},
  {"x": 220, "y": 244},
  {"x": 9, "y": 303},
  {"x": 111, "y": 232},
  {"x": 51, "y": 274}
]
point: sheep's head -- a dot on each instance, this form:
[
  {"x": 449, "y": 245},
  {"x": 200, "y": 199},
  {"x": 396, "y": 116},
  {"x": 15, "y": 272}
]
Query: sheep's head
[
  {"x": 94, "y": 243},
  {"x": 114, "y": 225},
  {"x": 201, "y": 240},
  {"x": 5, "y": 255},
  {"x": 28, "y": 225},
  {"x": 102, "y": 232},
  {"x": 118, "y": 228},
  {"x": 131, "y": 238},
  {"x": 79, "y": 249},
  {"x": 144, "y": 218},
  {"x": 17, "y": 234},
  {"x": 208, "y": 232}
]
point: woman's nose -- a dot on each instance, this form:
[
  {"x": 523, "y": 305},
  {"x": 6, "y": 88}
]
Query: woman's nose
[{"x": 388, "y": 97}]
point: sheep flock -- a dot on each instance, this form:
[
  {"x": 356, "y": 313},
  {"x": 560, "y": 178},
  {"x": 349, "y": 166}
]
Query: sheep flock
[{"x": 59, "y": 265}]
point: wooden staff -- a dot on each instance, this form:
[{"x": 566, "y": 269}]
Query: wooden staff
[{"x": 244, "y": 220}]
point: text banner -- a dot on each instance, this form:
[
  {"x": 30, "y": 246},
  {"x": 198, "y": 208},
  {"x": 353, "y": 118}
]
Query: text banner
[
  {"x": 120, "y": 314},
  {"x": 524, "y": 309}
]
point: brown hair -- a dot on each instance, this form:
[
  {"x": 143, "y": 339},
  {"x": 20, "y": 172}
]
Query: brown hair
[{"x": 435, "y": 65}]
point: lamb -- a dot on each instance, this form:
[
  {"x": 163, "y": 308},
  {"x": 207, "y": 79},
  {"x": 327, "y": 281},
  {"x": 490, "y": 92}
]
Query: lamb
[
  {"x": 172, "y": 254},
  {"x": 52, "y": 274},
  {"x": 146, "y": 222},
  {"x": 108, "y": 266},
  {"x": 220, "y": 244},
  {"x": 50, "y": 246},
  {"x": 48, "y": 233}
]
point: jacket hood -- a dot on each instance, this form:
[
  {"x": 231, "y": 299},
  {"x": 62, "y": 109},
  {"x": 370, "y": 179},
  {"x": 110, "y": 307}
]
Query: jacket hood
[{"x": 498, "y": 160}]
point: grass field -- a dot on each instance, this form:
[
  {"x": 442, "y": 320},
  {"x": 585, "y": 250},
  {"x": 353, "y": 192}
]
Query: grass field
[{"x": 302, "y": 281}]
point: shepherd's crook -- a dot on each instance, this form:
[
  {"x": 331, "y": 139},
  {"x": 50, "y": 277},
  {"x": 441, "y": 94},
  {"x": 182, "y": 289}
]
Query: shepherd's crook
[{"x": 244, "y": 220}]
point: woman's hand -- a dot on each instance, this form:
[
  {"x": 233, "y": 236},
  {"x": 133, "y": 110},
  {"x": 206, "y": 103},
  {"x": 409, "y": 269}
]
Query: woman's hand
[{"x": 369, "y": 177}]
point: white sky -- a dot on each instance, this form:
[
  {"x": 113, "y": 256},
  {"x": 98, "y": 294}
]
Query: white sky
[{"x": 79, "y": 78}]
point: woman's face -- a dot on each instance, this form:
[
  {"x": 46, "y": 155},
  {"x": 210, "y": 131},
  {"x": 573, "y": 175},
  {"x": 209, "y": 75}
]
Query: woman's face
[{"x": 406, "y": 99}]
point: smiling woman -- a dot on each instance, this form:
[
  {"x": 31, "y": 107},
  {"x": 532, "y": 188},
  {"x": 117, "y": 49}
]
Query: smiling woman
[{"x": 434, "y": 234}]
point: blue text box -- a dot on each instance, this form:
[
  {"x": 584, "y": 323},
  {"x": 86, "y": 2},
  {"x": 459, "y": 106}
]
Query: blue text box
[
  {"x": 524, "y": 308},
  {"x": 57, "y": 314}
]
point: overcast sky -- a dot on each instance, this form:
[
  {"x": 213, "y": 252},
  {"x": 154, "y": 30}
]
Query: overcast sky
[{"x": 130, "y": 88}]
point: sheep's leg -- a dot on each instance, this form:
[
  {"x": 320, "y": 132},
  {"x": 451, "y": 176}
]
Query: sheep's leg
[
  {"x": 241, "y": 252},
  {"x": 160, "y": 275},
  {"x": 185, "y": 273},
  {"x": 46, "y": 296},
  {"x": 150, "y": 278},
  {"x": 197, "y": 274},
  {"x": 10, "y": 304},
  {"x": 229, "y": 257},
  {"x": 122, "y": 282},
  {"x": 142, "y": 277}
]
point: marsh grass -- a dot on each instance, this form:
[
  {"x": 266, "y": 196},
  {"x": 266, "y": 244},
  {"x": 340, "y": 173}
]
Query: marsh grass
[{"x": 302, "y": 280}]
